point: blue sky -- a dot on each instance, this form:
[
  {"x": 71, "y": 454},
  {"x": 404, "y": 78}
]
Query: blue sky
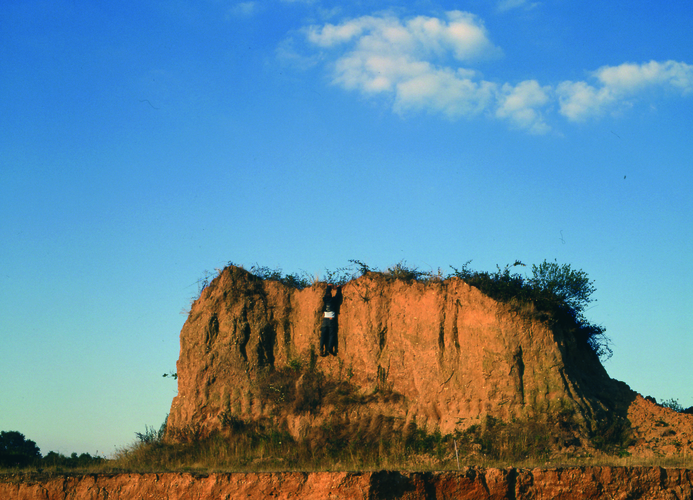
[{"x": 143, "y": 143}]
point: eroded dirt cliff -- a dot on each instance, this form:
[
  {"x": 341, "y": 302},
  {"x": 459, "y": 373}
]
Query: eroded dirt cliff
[
  {"x": 469, "y": 483},
  {"x": 440, "y": 354}
]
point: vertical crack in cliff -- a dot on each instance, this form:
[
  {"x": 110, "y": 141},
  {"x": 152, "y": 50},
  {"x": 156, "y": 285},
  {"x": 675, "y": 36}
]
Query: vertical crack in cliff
[
  {"x": 441, "y": 337},
  {"x": 265, "y": 346},
  {"x": 382, "y": 339},
  {"x": 242, "y": 332},
  {"x": 441, "y": 328},
  {"x": 382, "y": 315},
  {"x": 382, "y": 384},
  {"x": 211, "y": 332},
  {"x": 286, "y": 327},
  {"x": 517, "y": 372},
  {"x": 455, "y": 331},
  {"x": 511, "y": 492}
]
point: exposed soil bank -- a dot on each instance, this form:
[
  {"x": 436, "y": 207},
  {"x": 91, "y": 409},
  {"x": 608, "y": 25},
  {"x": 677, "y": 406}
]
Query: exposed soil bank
[
  {"x": 453, "y": 357},
  {"x": 469, "y": 483}
]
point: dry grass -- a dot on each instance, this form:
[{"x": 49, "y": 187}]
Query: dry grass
[
  {"x": 223, "y": 454},
  {"x": 377, "y": 443},
  {"x": 373, "y": 441}
]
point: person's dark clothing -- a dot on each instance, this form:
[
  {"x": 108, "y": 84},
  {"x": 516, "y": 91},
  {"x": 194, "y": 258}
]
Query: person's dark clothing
[{"x": 328, "y": 330}]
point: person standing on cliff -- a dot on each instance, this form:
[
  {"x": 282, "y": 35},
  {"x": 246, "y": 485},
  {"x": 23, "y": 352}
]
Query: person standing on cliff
[{"x": 328, "y": 330}]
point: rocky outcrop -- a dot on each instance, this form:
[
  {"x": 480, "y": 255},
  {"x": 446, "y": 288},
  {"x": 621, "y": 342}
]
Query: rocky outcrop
[
  {"x": 469, "y": 483},
  {"x": 450, "y": 354}
]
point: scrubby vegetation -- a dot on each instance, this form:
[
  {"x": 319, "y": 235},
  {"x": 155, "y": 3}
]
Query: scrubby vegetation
[
  {"x": 379, "y": 442},
  {"x": 559, "y": 293},
  {"x": 18, "y": 452},
  {"x": 341, "y": 442},
  {"x": 370, "y": 442},
  {"x": 672, "y": 404}
]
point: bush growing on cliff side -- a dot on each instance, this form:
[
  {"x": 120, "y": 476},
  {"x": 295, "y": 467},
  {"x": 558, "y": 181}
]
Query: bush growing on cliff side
[
  {"x": 673, "y": 404},
  {"x": 514, "y": 441},
  {"x": 561, "y": 283},
  {"x": 152, "y": 435},
  {"x": 558, "y": 292}
]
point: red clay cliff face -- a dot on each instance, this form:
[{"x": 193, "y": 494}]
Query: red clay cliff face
[
  {"x": 468, "y": 484},
  {"x": 453, "y": 356}
]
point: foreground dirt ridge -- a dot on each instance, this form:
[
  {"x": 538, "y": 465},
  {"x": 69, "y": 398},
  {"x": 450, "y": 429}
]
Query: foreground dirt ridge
[{"x": 469, "y": 483}]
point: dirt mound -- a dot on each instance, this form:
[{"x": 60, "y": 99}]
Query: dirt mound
[
  {"x": 440, "y": 355},
  {"x": 659, "y": 431}
]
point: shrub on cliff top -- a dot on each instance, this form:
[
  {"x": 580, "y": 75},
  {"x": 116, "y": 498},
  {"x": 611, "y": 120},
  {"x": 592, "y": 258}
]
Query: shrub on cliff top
[{"x": 558, "y": 291}]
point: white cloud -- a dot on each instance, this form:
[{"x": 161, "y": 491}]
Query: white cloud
[
  {"x": 462, "y": 34},
  {"x": 330, "y": 34},
  {"x": 444, "y": 91},
  {"x": 522, "y": 105},
  {"x": 425, "y": 64},
  {"x": 628, "y": 78},
  {"x": 387, "y": 55},
  {"x": 617, "y": 84},
  {"x": 578, "y": 100}
]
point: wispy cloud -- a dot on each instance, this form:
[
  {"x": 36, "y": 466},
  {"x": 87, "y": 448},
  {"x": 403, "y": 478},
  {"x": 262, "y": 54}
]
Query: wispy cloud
[
  {"x": 426, "y": 64},
  {"x": 506, "y": 5},
  {"x": 245, "y": 9}
]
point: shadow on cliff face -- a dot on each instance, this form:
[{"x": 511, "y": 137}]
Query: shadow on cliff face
[{"x": 295, "y": 389}]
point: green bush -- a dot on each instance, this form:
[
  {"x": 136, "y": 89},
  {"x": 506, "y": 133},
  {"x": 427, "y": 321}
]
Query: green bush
[
  {"x": 74, "y": 461},
  {"x": 151, "y": 434},
  {"x": 673, "y": 404},
  {"x": 299, "y": 281},
  {"x": 558, "y": 293},
  {"x": 612, "y": 434},
  {"x": 16, "y": 450}
]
